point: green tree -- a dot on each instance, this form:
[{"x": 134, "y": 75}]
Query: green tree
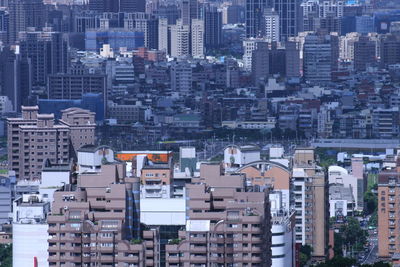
[
  {"x": 377, "y": 264},
  {"x": 371, "y": 202},
  {"x": 353, "y": 235},
  {"x": 337, "y": 261},
  {"x": 305, "y": 254},
  {"x": 5, "y": 255}
]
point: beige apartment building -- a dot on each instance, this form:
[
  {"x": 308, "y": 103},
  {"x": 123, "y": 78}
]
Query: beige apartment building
[
  {"x": 311, "y": 202},
  {"x": 34, "y": 138},
  {"x": 388, "y": 213},
  {"x": 227, "y": 223},
  {"x": 93, "y": 223},
  {"x": 81, "y": 124},
  {"x": 156, "y": 180}
]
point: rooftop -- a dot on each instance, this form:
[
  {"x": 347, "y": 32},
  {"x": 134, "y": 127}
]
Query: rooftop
[{"x": 92, "y": 148}]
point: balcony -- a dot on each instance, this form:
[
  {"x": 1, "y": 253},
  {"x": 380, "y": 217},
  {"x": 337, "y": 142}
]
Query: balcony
[
  {"x": 173, "y": 259},
  {"x": 54, "y": 248},
  {"x": 198, "y": 259},
  {"x": 129, "y": 259},
  {"x": 149, "y": 253},
  {"x": 198, "y": 249},
  {"x": 148, "y": 235},
  {"x": 107, "y": 259},
  {"x": 217, "y": 249},
  {"x": 153, "y": 186},
  {"x": 153, "y": 195},
  {"x": 198, "y": 239}
]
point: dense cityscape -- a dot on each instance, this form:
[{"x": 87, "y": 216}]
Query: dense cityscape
[{"x": 199, "y": 133}]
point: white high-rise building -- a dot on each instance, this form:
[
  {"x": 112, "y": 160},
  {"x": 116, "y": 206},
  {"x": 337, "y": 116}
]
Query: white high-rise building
[
  {"x": 249, "y": 45},
  {"x": 346, "y": 46},
  {"x": 271, "y": 29},
  {"x": 163, "y": 34},
  {"x": 197, "y": 35},
  {"x": 283, "y": 234},
  {"x": 180, "y": 39},
  {"x": 30, "y": 236},
  {"x": 323, "y": 8}
]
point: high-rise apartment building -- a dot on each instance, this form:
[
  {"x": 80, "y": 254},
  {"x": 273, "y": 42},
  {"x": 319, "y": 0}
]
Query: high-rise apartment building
[
  {"x": 324, "y": 14},
  {"x": 311, "y": 202},
  {"x": 75, "y": 85},
  {"x": 320, "y": 57},
  {"x": 29, "y": 228},
  {"x": 35, "y": 138},
  {"x": 197, "y": 38},
  {"x": 226, "y": 223},
  {"x": 180, "y": 39},
  {"x": 271, "y": 25},
  {"x": 249, "y": 45},
  {"x": 260, "y": 64},
  {"x": 364, "y": 53},
  {"x": 93, "y": 222},
  {"x": 292, "y": 59},
  {"x": 277, "y": 177},
  {"x": 390, "y": 49},
  {"x": 146, "y": 23},
  {"x": 388, "y": 212},
  {"x": 181, "y": 78},
  {"x": 163, "y": 30},
  {"x": 81, "y": 125}
]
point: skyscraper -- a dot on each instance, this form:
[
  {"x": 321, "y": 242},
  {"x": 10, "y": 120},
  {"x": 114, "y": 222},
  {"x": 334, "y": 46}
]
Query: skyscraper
[
  {"x": 254, "y": 14},
  {"x": 189, "y": 11},
  {"x": 15, "y": 77},
  {"x": 132, "y": 5},
  {"x": 213, "y": 27},
  {"x": 289, "y": 12},
  {"x": 4, "y": 22},
  {"x": 23, "y": 14},
  {"x": 47, "y": 51},
  {"x": 104, "y": 5},
  {"x": 118, "y": 5}
]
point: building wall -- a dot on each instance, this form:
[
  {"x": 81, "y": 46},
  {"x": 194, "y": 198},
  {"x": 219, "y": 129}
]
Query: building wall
[
  {"x": 163, "y": 211},
  {"x": 30, "y": 242},
  {"x": 282, "y": 245}
]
